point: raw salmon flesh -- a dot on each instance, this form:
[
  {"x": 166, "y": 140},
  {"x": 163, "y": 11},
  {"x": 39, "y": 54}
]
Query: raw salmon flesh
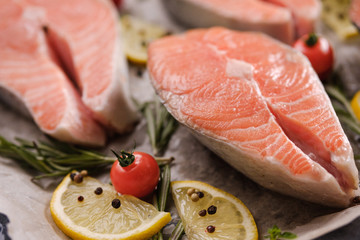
[
  {"x": 285, "y": 20},
  {"x": 47, "y": 43},
  {"x": 259, "y": 105},
  {"x": 355, "y": 13}
]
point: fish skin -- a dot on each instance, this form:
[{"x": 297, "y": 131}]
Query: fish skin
[
  {"x": 285, "y": 20},
  {"x": 53, "y": 102},
  {"x": 234, "y": 92}
]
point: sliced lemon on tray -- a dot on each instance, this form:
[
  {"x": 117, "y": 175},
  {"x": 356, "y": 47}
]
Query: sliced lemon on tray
[
  {"x": 210, "y": 213},
  {"x": 89, "y": 209},
  {"x": 137, "y": 34},
  {"x": 355, "y": 105},
  {"x": 335, "y": 14}
]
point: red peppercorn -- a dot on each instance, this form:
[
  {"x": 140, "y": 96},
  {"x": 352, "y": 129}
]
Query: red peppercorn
[
  {"x": 356, "y": 200},
  {"x": 210, "y": 229},
  {"x": 78, "y": 178},
  {"x": 202, "y": 213}
]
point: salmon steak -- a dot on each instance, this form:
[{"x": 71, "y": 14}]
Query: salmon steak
[
  {"x": 30, "y": 72},
  {"x": 259, "y": 105},
  {"x": 285, "y": 20},
  {"x": 354, "y": 13},
  {"x": 59, "y": 47}
]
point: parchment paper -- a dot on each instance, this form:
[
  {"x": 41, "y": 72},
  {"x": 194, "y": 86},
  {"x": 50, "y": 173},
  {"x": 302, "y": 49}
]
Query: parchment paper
[{"x": 27, "y": 205}]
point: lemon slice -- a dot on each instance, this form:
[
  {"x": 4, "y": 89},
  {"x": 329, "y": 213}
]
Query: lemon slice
[
  {"x": 211, "y": 213},
  {"x": 83, "y": 214},
  {"x": 355, "y": 105},
  {"x": 137, "y": 34},
  {"x": 336, "y": 15}
]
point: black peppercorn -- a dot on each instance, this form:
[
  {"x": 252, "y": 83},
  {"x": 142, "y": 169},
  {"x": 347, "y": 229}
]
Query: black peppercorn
[
  {"x": 139, "y": 72},
  {"x": 80, "y": 198},
  {"x": 210, "y": 229},
  {"x": 72, "y": 175},
  {"x": 200, "y": 194},
  {"x": 116, "y": 203},
  {"x": 212, "y": 210},
  {"x": 202, "y": 213},
  {"x": 98, "y": 191}
]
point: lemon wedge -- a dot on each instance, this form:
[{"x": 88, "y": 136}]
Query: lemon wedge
[
  {"x": 355, "y": 105},
  {"x": 335, "y": 14},
  {"x": 137, "y": 34},
  {"x": 93, "y": 210},
  {"x": 210, "y": 213}
]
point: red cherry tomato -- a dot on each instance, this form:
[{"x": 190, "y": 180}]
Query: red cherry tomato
[
  {"x": 319, "y": 52},
  {"x": 139, "y": 178},
  {"x": 118, "y": 3}
]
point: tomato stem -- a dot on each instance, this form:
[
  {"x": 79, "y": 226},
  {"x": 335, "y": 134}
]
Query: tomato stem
[
  {"x": 125, "y": 159},
  {"x": 311, "y": 40}
]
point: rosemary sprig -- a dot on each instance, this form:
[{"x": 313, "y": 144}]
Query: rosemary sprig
[
  {"x": 336, "y": 94},
  {"x": 344, "y": 110},
  {"x": 160, "y": 127},
  {"x": 57, "y": 158},
  {"x": 160, "y": 124},
  {"x": 177, "y": 232},
  {"x": 160, "y": 197},
  {"x": 163, "y": 187}
]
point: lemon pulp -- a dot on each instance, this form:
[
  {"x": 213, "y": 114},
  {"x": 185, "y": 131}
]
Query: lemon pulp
[
  {"x": 231, "y": 220},
  {"x": 82, "y": 214},
  {"x": 137, "y": 35}
]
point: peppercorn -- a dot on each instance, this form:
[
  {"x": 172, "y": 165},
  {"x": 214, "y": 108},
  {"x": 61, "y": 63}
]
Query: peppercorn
[
  {"x": 341, "y": 16},
  {"x": 190, "y": 191},
  {"x": 194, "y": 197},
  {"x": 356, "y": 200},
  {"x": 84, "y": 173},
  {"x": 80, "y": 198},
  {"x": 202, "y": 213},
  {"x": 212, "y": 210},
  {"x": 45, "y": 29},
  {"x": 200, "y": 194},
  {"x": 98, "y": 191},
  {"x": 72, "y": 175},
  {"x": 116, "y": 203},
  {"x": 210, "y": 229},
  {"x": 139, "y": 72},
  {"x": 78, "y": 178}
]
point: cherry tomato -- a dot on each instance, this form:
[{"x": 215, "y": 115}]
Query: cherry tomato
[
  {"x": 319, "y": 52},
  {"x": 118, "y": 3},
  {"x": 135, "y": 174}
]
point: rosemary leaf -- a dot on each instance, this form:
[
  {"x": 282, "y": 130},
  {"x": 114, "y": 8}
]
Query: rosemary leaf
[
  {"x": 177, "y": 232},
  {"x": 163, "y": 187},
  {"x": 160, "y": 125},
  {"x": 161, "y": 161},
  {"x": 151, "y": 127},
  {"x": 339, "y": 96},
  {"x": 350, "y": 123}
]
